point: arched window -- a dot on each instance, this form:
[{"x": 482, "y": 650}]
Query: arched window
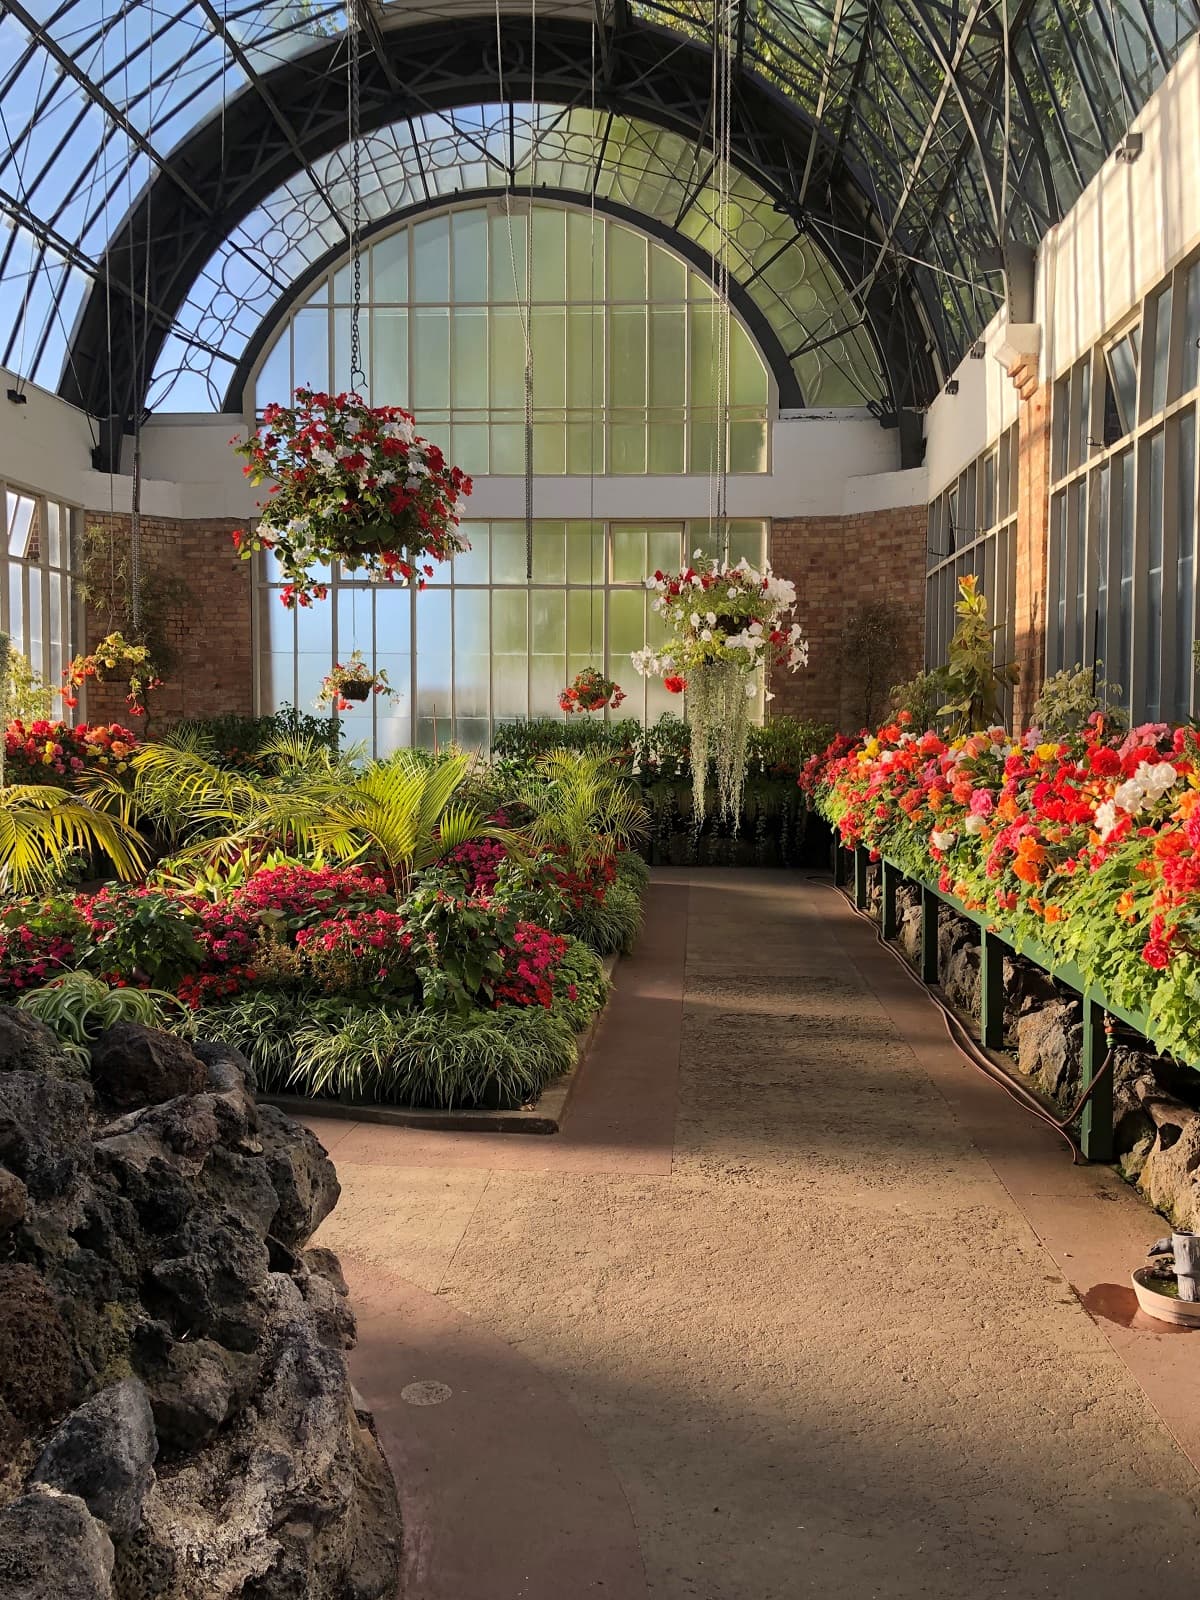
[{"x": 623, "y": 335}]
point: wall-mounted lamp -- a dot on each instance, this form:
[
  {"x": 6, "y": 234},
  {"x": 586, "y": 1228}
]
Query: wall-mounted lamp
[
  {"x": 18, "y": 397},
  {"x": 952, "y": 386},
  {"x": 978, "y": 350},
  {"x": 1130, "y": 147}
]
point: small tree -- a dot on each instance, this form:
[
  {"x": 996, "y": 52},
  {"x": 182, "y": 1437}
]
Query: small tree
[
  {"x": 975, "y": 684},
  {"x": 872, "y": 638}
]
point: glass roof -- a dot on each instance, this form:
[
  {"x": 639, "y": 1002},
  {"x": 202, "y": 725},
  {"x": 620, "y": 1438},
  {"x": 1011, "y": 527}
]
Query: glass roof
[
  {"x": 897, "y": 112},
  {"x": 650, "y": 171}
]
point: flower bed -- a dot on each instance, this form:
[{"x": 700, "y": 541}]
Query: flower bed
[
  {"x": 59, "y": 752},
  {"x": 1087, "y": 847}
]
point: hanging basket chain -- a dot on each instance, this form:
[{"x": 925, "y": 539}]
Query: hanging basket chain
[{"x": 357, "y": 376}]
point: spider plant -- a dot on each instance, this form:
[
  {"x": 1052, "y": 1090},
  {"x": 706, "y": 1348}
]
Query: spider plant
[{"x": 79, "y": 1007}]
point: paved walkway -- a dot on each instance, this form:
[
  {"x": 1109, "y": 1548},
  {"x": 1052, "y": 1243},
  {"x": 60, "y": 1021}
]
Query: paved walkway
[{"x": 794, "y": 1305}]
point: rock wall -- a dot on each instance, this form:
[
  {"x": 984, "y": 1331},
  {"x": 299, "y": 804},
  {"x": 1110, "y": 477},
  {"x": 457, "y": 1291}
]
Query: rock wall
[
  {"x": 1156, "y": 1102},
  {"x": 176, "y": 1419}
]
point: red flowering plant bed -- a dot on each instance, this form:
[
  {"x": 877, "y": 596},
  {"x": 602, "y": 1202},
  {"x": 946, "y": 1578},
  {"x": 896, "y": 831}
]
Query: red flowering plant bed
[
  {"x": 1088, "y": 847},
  {"x": 351, "y": 483},
  {"x": 59, "y": 753}
]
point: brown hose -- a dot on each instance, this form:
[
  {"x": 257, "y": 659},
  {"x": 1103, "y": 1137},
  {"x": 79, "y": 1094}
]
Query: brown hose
[{"x": 967, "y": 1047}]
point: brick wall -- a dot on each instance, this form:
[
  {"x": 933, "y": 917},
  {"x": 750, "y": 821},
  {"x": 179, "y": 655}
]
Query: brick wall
[
  {"x": 838, "y": 564},
  {"x": 209, "y": 632}
]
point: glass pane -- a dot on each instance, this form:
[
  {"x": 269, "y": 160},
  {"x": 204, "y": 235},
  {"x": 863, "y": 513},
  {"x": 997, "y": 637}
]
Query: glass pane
[
  {"x": 310, "y": 349},
  {"x": 549, "y": 553},
  {"x": 1162, "y": 350},
  {"x": 1125, "y": 595},
  {"x": 628, "y": 554},
  {"x": 1191, "y": 329},
  {"x": 1185, "y": 575},
  {"x": 431, "y": 261},
  {"x": 626, "y": 628},
  {"x": 431, "y": 360},
  {"x": 626, "y": 264},
  {"x": 628, "y": 355},
  {"x": 585, "y": 552},
  {"x": 747, "y": 446},
  {"x": 508, "y": 552},
  {"x": 389, "y": 267},
  {"x": 470, "y": 235},
  {"x": 748, "y": 375},
  {"x": 1154, "y": 575},
  {"x": 390, "y": 367},
  {"x": 274, "y": 381},
  {"x": 471, "y": 566},
  {"x": 469, "y": 379},
  {"x": 1122, "y": 364}
]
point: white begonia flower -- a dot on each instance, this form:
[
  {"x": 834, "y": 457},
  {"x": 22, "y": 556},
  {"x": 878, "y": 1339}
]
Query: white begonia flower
[
  {"x": 706, "y": 635},
  {"x": 711, "y": 618},
  {"x": 1156, "y": 778},
  {"x": 755, "y": 628},
  {"x": 695, "y": 619},
  {"x": 975, "y": 824},
  {"x": 943, "y": 838},
  {"x": 732, "y": 592},
  {"x": 697, "y": 582},
  {"x": 1129, "y": 796},
  {"x": 652, "y": 583},
  {"x": 1106, "y": 818}
]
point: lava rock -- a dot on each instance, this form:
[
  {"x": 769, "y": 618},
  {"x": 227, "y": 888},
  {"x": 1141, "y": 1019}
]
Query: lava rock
[
  {"x": 13, "y": 1197},
  {"x": 137, "y": 1066},
  {"x": 304, "y": 1177},
  {"x": 104, "y": 1453},
  {"x": 52, "y": 1548},
  {"x": 28, "y": 1045},
  {"x": 38, "y": 1372},
  {"x": 196, "y": 1390},
  {"x": 1050, "y": 1047},
  {"x": 44, "y": 1135},
  {"x": 227, "y": 1066},
  {"x": 209, "y": 1277}
]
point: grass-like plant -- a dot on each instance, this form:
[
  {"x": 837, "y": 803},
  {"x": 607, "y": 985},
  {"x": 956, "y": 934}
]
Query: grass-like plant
[
  {"x": 609, "y": 925},
  {"x": 79, "y": 1007}
]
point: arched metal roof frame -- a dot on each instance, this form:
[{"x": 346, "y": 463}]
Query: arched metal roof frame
[
  {"x": 764, "y": 336},
  {"x": 232, "y": 163},
  {"x": 927, "y": 143}
]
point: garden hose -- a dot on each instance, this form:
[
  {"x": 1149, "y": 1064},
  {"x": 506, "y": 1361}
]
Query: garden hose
[{"x": 972, "y": 1052}]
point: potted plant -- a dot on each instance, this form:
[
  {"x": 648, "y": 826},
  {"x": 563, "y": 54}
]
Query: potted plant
[
  {"x": 727, "y": 625},
  {"x": 352, "y": 681},
  {"x": 117, "y": 658},
  {"x": 351, "y": 483},
  {"x": 590, "y": 690}
]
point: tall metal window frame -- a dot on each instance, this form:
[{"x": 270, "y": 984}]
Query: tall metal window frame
[
  {"x": 1132, "y": 452},
  {"x": 47, "y": 531}
]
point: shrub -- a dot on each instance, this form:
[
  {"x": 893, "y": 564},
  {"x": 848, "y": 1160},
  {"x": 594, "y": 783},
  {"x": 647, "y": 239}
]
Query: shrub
[
  {"x": 38, "y": 939},
  {"x": 247, "y": 744},
  {"x": 142, "y": 935},
  {"x": 611, "y": 924},
  {"x": 1072, "y": 697},
  {"x": 580, "y": 986},
  {"x": 370, "y": 952},
  {"x": 261, "y": 1023},
  {"x": 500, "y": 1058}
]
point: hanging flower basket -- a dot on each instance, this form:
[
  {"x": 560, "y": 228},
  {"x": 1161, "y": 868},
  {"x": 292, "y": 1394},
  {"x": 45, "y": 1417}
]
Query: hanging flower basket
[
  {"x": 727, "y": 625},
  {"x": 590, "y": 690},
  {"x": 114, "y": 658},
  {"x": 353, "y": 681},
  {"x": 350, "y": 483}
]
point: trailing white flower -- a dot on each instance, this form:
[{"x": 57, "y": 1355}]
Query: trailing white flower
[
  {"x": 943, "y": 839},
  {"x": 1106, "y": 818}
]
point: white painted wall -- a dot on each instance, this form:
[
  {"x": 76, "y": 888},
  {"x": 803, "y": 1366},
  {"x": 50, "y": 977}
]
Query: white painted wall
[
  {"x": 959, "y": 426},
  {"x": 825, "y": 462}
]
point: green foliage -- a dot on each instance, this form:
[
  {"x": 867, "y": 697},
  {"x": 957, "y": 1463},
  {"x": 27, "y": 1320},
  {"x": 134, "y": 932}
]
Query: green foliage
[
  {"x": 44, "y": 830},
  {"x": 528, "y": 738},
  {"x": 500, "y": 1058},
  {"x": 580, "y": 987},
  {"x": 872, "y": 638},
  {"x": 23, "y": 694},
  {"x": 261, "y": 1024},
  {"x": 1071, "y": 697},
  {"x": 609, "y": 925},
  {"x": 143, "y": 935},
  {"x": 921, "y": 697},
  {"x": 458, "y": 944},
  {"x": 974, "y": 683},
  {"x": 580, "y": 808},
  {"x": 79, "y": 1007},
  {"x": 782, "y": 745},
  {"x": 253, "y": 744}
]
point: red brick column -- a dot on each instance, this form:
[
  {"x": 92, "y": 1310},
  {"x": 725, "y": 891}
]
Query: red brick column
[
  {"x": 838, "y": 564},
  {"x": 1033, "y": 532},
  {"x": 209, "y": 632}
]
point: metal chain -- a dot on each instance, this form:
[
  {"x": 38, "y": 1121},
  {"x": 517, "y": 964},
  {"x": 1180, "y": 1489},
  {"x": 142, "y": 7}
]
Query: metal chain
[{"x": 357, "y": 375}]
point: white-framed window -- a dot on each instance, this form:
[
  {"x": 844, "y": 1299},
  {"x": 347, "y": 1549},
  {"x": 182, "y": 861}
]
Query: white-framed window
[
  {"x": 484, "y": 643},
  {"x": 35, "y": 580}
]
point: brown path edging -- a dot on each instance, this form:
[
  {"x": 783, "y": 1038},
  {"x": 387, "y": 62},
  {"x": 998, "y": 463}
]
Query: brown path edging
[
  {"x": 543, "y": 1117},
  {"x": 1090, "y": 1222},
  {"x": 503, "y": 1490}
]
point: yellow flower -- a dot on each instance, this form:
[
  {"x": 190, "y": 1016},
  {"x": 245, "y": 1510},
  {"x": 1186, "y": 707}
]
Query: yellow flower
[{"x": 1046, "y": 751}]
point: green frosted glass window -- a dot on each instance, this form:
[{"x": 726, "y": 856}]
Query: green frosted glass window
[
  {"x": 626, "y": 623},
  {"x": 585, "y": 552},
  {"x": 549, "y": 552},
  {"x": 628, "y": 554},
  {"x": 622, "y": 334}
]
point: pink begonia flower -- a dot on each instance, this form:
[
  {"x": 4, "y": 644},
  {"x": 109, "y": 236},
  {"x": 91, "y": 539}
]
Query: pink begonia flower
[{"x": 982, "y": 802}]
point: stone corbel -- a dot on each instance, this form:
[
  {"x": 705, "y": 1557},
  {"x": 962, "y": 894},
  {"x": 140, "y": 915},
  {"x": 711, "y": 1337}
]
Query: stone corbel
[{"x": 1018, "y": 353}]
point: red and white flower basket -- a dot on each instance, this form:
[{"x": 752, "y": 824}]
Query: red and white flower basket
[{"x": 355, "y": 484}]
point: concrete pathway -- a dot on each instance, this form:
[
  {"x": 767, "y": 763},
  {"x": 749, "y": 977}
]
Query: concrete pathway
[{"x": 794, "y": 1305}]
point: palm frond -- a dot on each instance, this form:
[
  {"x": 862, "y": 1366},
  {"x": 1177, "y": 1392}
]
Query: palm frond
[{"x": 41, "y": 826}]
